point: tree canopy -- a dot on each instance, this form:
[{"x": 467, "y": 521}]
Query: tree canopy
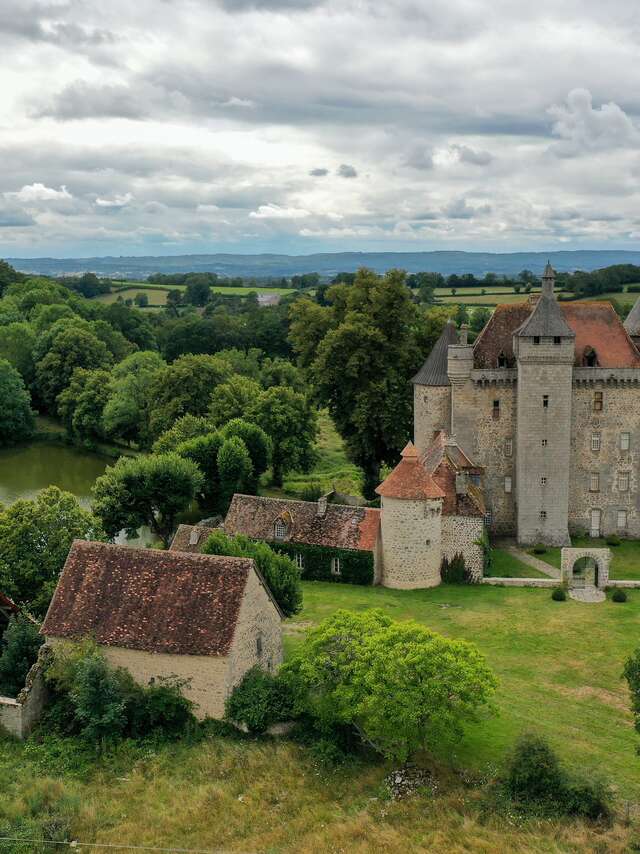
[{"x": 16, "y": 416}]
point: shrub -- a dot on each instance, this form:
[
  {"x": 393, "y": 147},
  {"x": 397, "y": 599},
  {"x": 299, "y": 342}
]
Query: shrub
[
  {"x": 455, "y": 571},
  {"x": 559, "y": 594},
  {"x": 619, "y": 596},
  {"x": 613, "y": 540},
  {"x": 159, "y": 708},
  {"x": 539, "y": 549},
  {"x": 20, "y": 646},
  {"x": 259, "y": 701},
  {"x": 312, "y": 492}
]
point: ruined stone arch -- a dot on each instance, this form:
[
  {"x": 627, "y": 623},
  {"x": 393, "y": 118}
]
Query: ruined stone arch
[{"x": 583, "y": 565}]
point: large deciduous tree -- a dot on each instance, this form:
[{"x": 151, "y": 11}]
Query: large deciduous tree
[
  {"x": 81, "y": 404},
  {"x": 146, "y": 491},
  {"x": 126, "y": 414},
  {"x": 16, "y": 415}
]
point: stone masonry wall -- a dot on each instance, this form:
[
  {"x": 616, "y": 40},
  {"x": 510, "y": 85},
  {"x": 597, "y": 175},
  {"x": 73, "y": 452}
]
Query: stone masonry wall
[
  {"x": 258, "y": 636},
  {"x": 460, "y": 535},
  {"x": 18, "y": 716},
  {"x": 411, "y": 543},
  {"x": 431, "y": 412},
  {"x": 620, "y": 413}
]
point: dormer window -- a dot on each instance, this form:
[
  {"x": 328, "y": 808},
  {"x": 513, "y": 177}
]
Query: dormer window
[
  {"x": 590, "y": 358},
  {"x": 536, "y": 339},
  {"x": 280, "y": 529}
]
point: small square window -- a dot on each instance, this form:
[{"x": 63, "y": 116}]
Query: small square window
[
  {"x": 545, "y": 401},
  {"x": 557, "y": 339},
  {"x": 543, "y": 515},
  {"x": 544, "y": 443},
  {"x": 622, "y": 518},
  {"x": 536, "y": 339},
  {"x": 279, "y": 530},
  {"x": 625, "y": 441},
  {"x": 496, "y": 410},
  {"x": 596, "y": 441},
  {"x": 543, "y": 481},
  {"x": 508, "y": 447},
  {"x": 598, "y": 401},
  {"x": 488, "y": 517},
  {"x": 623, "y": 481},
  {"x": 507, "y": 484},
  {"x": 594, "y": 482},
  {"x": 336, "y": 569}
]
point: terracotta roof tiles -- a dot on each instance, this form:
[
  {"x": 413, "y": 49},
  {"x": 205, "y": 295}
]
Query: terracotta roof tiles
[{"x": 410, "y": 480}]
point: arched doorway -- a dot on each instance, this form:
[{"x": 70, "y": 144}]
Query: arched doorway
[{"x": 584, "y": 573}]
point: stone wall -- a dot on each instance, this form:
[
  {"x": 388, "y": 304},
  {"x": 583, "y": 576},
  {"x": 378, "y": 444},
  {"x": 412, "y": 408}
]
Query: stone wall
[
  {"x": 258, "y": 636},
  {"x": 460, "y": 535},
  {"x": 18, "y": 716},
  {"x": 620, "y": 413},
  {"x": 601, "y": 556},
  {"x": 521, "y": 582},
  {"x": 431, "y": 412},
  {"x": 411, "y": 543}
]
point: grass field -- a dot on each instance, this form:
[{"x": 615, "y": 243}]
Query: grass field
[
  {"x": 217, "y": 289},
  {"x": 504, "y": 565},
  {"x": 156, "y": 296}
]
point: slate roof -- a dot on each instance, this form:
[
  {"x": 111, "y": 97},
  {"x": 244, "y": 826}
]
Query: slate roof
[
  {"x": 145, "y": 599},
  {"x": 434, "y": 370},
  {"x": 341, "y": 526},
  {"x": 190, "y": 538},
  {"x": 632, "y": 323},
  {"x": 595, "y": 325},
  {"x": 546, "y": 319},
  {"x": 410, "y": 480}
]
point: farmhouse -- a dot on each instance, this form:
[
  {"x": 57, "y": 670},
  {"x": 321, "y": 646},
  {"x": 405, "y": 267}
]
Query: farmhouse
[{"x": 205, "y": 619}]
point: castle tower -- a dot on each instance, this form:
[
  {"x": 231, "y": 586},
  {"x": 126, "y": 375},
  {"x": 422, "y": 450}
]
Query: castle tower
[
  {"x": 411, "y": 525},
  {"x": 544, "y": 346},
  {"x": 432, "y": 391}
]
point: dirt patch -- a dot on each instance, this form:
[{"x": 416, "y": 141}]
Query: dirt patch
[{"x": 591, "y": 693}]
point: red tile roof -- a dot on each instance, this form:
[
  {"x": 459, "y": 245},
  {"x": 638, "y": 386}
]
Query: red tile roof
[
  {"x": 7, "y": 604},
  {"x": 595, "y": 324},
  {"x": 444, "y": 460},
  {"x": 340, "y": 527},
  {"x": 410, "y": 480},
  {"x": 144, "y": 599},
  {"x": 190, "y": 538}
]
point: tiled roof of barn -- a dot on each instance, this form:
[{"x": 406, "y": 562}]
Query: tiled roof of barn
[
  {"x": 145, "y": 599},
  {"x": 434, "y": 370},
  {"x": 190, "y": 538},
  {"x": 410, "y": 480},
  {"x": 341, "y": 526},
  {"x": 595, "y": 325},
  {"x": 632, "y": 323}
]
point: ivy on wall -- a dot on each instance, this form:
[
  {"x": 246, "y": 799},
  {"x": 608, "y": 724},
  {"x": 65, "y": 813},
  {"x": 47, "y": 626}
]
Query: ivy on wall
[{"x": 355, "y": 567}]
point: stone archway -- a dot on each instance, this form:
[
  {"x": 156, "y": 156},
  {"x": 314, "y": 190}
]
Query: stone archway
[{"x": 586, "y": 573}]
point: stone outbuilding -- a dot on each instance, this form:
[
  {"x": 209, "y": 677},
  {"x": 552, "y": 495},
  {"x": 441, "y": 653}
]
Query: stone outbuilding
[{"x": 203, "y": 618}]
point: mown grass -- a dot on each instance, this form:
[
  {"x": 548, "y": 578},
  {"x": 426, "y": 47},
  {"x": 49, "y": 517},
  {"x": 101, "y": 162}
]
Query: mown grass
[{"x": 505, "y": 565}]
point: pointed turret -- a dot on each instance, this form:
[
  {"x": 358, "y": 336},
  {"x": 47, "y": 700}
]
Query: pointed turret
[
  {"x": 546, "y": 320},
  {"x": 434, "y": 370},
  {"x": 548, "y": 280}
]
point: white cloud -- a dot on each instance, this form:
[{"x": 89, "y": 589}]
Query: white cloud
[
  {"x": 271, "y": 211},
  {"x": 116, "y": 202},
  {"x": 40, "y": 193},
  {"x": 583, "y": 128}
]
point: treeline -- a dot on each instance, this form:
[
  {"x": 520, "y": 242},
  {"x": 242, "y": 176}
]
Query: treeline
[
  {"x": 301, "y": 282},
  {"x": 612, "y": 279}
]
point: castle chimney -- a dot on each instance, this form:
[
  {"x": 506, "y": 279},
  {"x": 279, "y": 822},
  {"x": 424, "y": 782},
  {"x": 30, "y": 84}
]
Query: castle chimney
[
  {"x": 321, "y": 509},
  {"x": 548, "y": 281},
  {"x": 464, "y": 335}
]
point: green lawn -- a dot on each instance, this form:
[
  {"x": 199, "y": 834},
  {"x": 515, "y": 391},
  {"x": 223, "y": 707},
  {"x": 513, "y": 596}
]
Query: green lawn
[
  {"x": 559, "y": 665},
  {"x": 157, "y": 296},
  {"x": 504, "y": 565},
  {"x": 625, "y": 558}
]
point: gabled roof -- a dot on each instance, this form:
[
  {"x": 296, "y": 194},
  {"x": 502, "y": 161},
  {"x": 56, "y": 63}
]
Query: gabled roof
[
  {"x": 446, "y": 461},
  {"x": 334, "y": 526},
  {"x": 190, "y": 538},
  {"x": 145, "y": 599},
  {"x": 434, "y": 370},
  {"x": 632, "y": 323},
  {"x": 595, "y": 324},
  {"x": 410, "y": 480}
]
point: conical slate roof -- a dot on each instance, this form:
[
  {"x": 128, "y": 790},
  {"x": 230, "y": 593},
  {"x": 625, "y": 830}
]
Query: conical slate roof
[
  {"x": 632, "y": 323},
  {"x": 434, "y": 370},
  {"x": 546, "y": 319}
]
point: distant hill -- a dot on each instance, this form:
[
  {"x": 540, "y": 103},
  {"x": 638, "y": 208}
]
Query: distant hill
[{"x": 328, "y": 264}]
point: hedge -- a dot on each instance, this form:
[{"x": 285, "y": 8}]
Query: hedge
[{"x": 355, "y": 567}]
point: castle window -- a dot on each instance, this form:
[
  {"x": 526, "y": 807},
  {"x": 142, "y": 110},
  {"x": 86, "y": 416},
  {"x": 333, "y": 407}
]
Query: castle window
[
  {"x": 598, "y": 401},
  {"x": 590, "y": 358},
  {"x": 545, "y": 401},
  {"x": 279, "y": 530},
  {"x": 259, "y": 646},
  {"x": 536, "y": 339},
  {"x": 557, "y": 339},
  {"x": 496, "y": 410},
  {"x": 623, "y": 481},
  {"x": 502, "y": 361},
  {"x": 622, "y": 518},
  {"x": 543, "y": 515},
  {"x": 488, "y": 517},
  {"x": 335, "y": 566},
  {"x": 594, "y": 482},
  {"x": 625, "y": 441},
  {"x": 508, "y": 447},
  {"x": 543, "y": 481},
  {"x": 596, "y": 441},
  {"x": 544, "y": 443},
  {"x": 507, "y": 484},
  {"x": 299, "y": 560}
]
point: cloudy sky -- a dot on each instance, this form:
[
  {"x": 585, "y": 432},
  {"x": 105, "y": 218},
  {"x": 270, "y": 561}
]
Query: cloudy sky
[{"x": 170, "y": 126}]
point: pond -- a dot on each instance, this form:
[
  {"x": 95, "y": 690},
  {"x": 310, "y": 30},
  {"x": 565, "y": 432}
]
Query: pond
[{"x": 25, "y": 470}]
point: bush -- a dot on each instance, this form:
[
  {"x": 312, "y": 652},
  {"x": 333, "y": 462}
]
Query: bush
[
  {"x": 455, "y": 571},
  {"x": 539, "y": 549},
  {"x": 559, "y": 594},
  {"x": 312, "y": 492},
  {"x": 536, "y": 782},
  {"x": 259, "y": 701},
  {"x": 619, "y": 596},
  {"x": 613, "y": 540},
  {"x": 20, "y": 646}
]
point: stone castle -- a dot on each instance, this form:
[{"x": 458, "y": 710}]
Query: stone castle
[{"x": 532, "y": 432}]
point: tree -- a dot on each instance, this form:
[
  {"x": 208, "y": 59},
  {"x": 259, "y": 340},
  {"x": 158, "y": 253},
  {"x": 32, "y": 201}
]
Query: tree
[
  {"x": 279, "y": 571},
  {"x": 402, "y": 687},
  {"x": 17, "y": 341},
  {"x": 187, "y": 427},
  {"x": 174, "y": 300},
  {"x": 126, "y": 414},
  {"x": 234, "y": 470},
  {"x": 81, "y": 404},
  {"x": 35, "y": 538},
  {"x": 281, "y": 372},
  {"x": 480, "y": 317},
  {"x": 146, "y": 491},
  {"x": 632, "y": 675},
  {"x": 198, "y": 290},
  {"x": 203, "y": 451},
  {"x": 291, "y": 423},
  {"x": 461, "y": 315},
  {"x": 8, "y": 276},
  {"x": 141, "y": 300},
  {"x": 233, "y": 399},
  {"x": 18, "y": 653},
  {"x": 16, "y": 416},
  {"x": 359, "y": 355},
  {"x": 185, "y": 387},
  {"x": 257, "y": 443}
]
